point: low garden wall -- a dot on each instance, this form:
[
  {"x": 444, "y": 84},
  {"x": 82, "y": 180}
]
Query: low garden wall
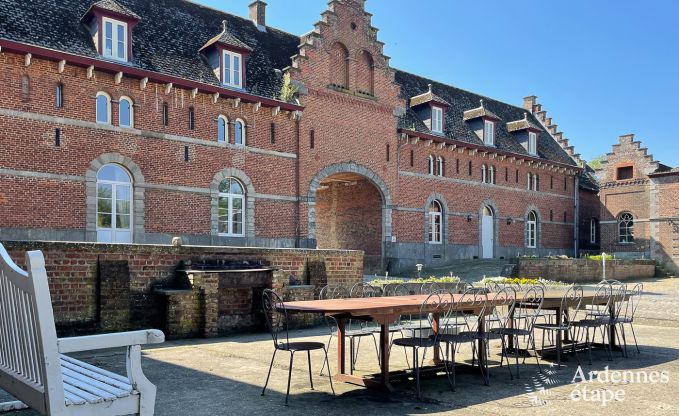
[
  {"x": 114, "y": 287},
  {"x": 582, "y": 270}
]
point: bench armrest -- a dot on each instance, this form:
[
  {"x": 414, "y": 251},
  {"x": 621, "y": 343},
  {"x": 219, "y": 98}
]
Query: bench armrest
[{"x": 104, "y": 341}]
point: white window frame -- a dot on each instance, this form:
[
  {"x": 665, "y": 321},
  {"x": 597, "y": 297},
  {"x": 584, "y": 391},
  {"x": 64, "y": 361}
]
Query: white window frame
[
  {"x": 232, "y": 69},
  {"x": 532, "y": 143},
  {"x": 114, "y": 199},
  {"x": 131, "y": 103},
  {"x": 484, "y": 174},
  {"x": 532, "y": 230},
  {"x": 114, "y": 39},
  {"x": 489, "y": 132},
  {"x": 435, "y": 234},
  {"x": 235, "y": 132},
  {"x": 436, "y": 119},
  {"x": 491, "y": 174},
  {"x": 592, "y": 230},
  {"x": 430, "y": 162},
  {"x": 439, "y": 163},
  {"x": 229, "y": 211},
  {"x": 108, "y": 108},
  {"x": 628, "y": 219},
  {"x": 226, "y": 128},
  {"x": 529, "y": 180}
]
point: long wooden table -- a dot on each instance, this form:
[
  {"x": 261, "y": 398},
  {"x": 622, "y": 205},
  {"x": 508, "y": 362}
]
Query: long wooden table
[{"x": 387, "y": 310}]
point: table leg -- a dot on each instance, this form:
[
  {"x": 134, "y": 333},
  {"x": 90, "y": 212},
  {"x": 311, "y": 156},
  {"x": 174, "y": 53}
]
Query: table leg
[
  {"x": 481, "y": 344},
  {"x": 341, "y": 347},
  {"x": 559, "y": 320},
  {"x": 611, "y": 328},
  {"x": 384, "y": 353},
  {"x": 435, "y": 327}
]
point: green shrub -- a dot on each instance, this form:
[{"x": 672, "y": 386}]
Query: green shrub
[
  {"x": 519, "y": 280},
  {"x": 430, "y": 279},
  {"x": 598, "y": 257}
]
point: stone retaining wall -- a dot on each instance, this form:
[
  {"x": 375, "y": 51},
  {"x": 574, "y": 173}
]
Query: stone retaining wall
[
  {"x": 86, "y": 300},
  {"x": 581, "y": 270}
]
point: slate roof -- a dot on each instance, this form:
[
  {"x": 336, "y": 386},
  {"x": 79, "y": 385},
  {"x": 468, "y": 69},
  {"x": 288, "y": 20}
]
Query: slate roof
[
  {"x": 588, "y": 180},
  {"x": 226, "y": 38},
  {"x": 427, "y": 97},
  {"x": 115, "y": 7},
  {"x": 457, "y": 128},
  {"x": 167, "y": 38}
]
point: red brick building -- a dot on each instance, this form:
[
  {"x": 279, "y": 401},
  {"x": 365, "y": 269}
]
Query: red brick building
[
  {"x": 119, "y": 125},
  {"x": 639, "y": 204}
]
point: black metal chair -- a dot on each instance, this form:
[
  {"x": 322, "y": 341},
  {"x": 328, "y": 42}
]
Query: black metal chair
[
  {"x": 452, "y": 337},
  {"x": 570, "y": 302},
  {"x": 360, "y": 329},
  {"x": 597, "y": 317},
  {"x": 434, "y": 304},
  {"x": 526, "y": 310},
  {"x": 627, "y": 312},
  {"x": 277, "y": 321},
  {"x": 331, "y": 292}
]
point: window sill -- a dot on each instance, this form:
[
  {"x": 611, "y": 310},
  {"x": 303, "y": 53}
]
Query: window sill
[
  {"x": 434, "y": 243},
  {"x": 231, "y": 235}
]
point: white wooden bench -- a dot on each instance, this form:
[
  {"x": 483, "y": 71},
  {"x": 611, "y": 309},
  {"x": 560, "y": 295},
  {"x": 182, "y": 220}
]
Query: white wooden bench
[{"x": 34, "y": 369}]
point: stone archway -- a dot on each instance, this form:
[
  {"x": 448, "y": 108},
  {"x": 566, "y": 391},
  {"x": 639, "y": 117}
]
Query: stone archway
[{"x": 350, "y": 209}]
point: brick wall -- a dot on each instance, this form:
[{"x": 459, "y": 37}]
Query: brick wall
[
  {"x": 583, "y": 271},
  {"x": 74, "y": 277}
]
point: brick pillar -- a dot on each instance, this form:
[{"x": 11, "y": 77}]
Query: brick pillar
[
  {"x": 114, "y": 295},
  {"x": 208, "y": 286}
]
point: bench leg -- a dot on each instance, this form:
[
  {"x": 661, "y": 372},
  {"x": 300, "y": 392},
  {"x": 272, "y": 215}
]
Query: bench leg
[
  {"x": 10, "y": 406},
  {"x": 147, "y": 391}
]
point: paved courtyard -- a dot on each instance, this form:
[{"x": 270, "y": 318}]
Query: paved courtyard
[{"x": 224, "y": 377}]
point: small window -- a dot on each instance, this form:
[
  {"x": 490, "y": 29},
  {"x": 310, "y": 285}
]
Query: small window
[
  {"x": 232, "y": 71},
  {"x": 115, "y": 39},
  {"x": 551, "y": 182},
  {"x": 506, "y": 174},
  {"x": 192, "y": 118},
  {"x": 516, "y": 176},
  {"x": 59, "y": 96},
  {"x": 529, "y": 181},
  {"x": 412, "y": 158},
  {"x": 103, "y": 108},
  {"x": 489, "y": 132},
  {"x": 166, "y": 115},
  {"x": 531, "y": 230},
  {"x": 593, "y": 230},
  {"x": 388, "y": 152},
  {"x": 484, "y": 174},
  {"x": 312, "y": 139},
  {"x": 437, "y": 119},
  {"x": 491, "y": 171},
  {"x": 565, "y": 183},
  {"x": 565, "y": 216},
  {"x": 430, "y": 165},
  {"x": 551, "y": 215},
  {"x": 273, "y": 133},
  {"x": 625, "y": 228},
  {"x": 222, "y": 129},
  {"x": 625, "y": 172},
  {"x": 457, "y": 166},
  {"x": 532, "y": 143},
  {"x": 125, "y": 112},
  {"x": 470, "y": 168},
  {"x": 536, "y": 182},
  {"x": 239, "y": 132},
  {"x": 441, "y": 166},
  {"x": 435, "y": 222}
]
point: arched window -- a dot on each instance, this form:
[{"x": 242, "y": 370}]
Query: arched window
[
  {"x": 625, "y": 228},
  {"x": 114, "y": 205},
  {"x": 488, "y": 211},
  {"x": 230, "y": 208},
  {"x": 593, "y": 230},
  {"x": 484, "y": 174},
  {"x": 430, "y": 162},
  {"x": 339, "y": 66},
  {"x": 239, "y": 132},
  {"x": 491, "y": 171},
  {"x": 222, "y": 129},
  {"x": 532, "y": 230},
  {"x": 125, "y": 112},
  {"x": 103, "y": 108},
  {"x": 435, "y": 222},
  {"x": 441, "y": 164},
  {"x": 365, "y": 73}
]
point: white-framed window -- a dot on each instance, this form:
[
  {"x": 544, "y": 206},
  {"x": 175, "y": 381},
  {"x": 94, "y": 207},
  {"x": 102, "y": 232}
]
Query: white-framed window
[
  {"x": 125, "y": 112},
  {"x": 536, "y": 182},
  {"x": 491, "y": 174},
  {"x": 532, "y": 143},
  {"x": 222, "y": 129},
  {"x": 625, "y": 228},
  {"x": 115, "y": 39},
  {"x": 437, "y": 119},
  {"x": 103, "y": 108},
  {"x": 440, "y": 163},
  {"x": 114, "y": 205},
  {"x": 593, "y": 227},
  {"x": 484, "y": 173},
  {"x": 230, "y": 208},
  {"x": 231, "y": 69},
  {"x": 435, "y": 222},
  {"x": 239, "y": 132},
  {"x": 430, "y": 164},
  {"x": 529, "y": 181},
  {"x": 489, "y": 132},
  {"x": 531, "y": 230}
]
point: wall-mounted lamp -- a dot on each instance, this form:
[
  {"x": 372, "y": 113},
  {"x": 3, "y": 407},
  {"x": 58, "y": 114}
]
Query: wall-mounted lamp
[
  {"x": 469, "y": 218},
  {"x": 510, "y": 221}
]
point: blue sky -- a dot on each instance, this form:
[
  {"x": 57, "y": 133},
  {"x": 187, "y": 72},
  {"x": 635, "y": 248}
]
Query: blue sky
[{"x": 600, "y": 68}]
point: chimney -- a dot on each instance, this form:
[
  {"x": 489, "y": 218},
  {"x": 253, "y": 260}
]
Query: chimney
[
  {"x": 529, "y": 102},
  {"x": 258, "y": 14}
]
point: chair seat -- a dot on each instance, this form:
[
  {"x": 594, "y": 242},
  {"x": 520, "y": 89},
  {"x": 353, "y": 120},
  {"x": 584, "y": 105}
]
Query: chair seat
[
  {"x": 301, "y": 346},
  {"x": 551, "y": 327},
  {"x": 511, "y": 331},
  {"x": 414, "y": 342},
  {"x": 87, "y": 384},
  {"x": 363, "y": 332},
  {"x": 487, "y": 335}
]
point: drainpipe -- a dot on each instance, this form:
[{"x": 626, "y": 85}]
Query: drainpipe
[
  {"x": 576, "y": 216},
  {"x": 297, "y": 185}
]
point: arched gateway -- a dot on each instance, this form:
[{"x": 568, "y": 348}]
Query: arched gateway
[{"x": 350, "y": 208}]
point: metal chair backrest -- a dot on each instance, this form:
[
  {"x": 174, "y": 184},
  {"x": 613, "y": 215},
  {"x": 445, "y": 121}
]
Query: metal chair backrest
[
  {"x": 475, "y": 301},
  {"x": 529, "y": 306},
  {"x": 572, "y": 302},
  {"x": 333, "y": 292},
  {"x": 435, "y": 304},
  {"x": 276, "y": 317},
  {"x": 632, "y": 302},
  {"x": 429, "y": 288},
  {"x": 503, "y": 304},
  {"x": 364, "y": 290},
  {"x": 397, "y": 289},
  {"x": 493, "y": 287},
  {"x": 602, "y": 299}
]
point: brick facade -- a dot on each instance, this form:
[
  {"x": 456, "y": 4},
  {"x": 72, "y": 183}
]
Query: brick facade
[{"x": 296, "y": 156}]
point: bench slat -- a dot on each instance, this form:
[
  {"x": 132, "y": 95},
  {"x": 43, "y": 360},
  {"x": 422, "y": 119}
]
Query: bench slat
[
  {"x": 96, "y": 375},
  {"x": 95, "y": 369},
  {"x": 92, "y": 385},
  {"x": 83, "y": 395}
]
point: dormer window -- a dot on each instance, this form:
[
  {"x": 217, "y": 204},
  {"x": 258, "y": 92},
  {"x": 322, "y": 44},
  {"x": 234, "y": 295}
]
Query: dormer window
[
  {"x": 532, "y": 143},
  {"x": 115, "y": 39},
  {"x": 231, "y": 64},
  {"x": 436, "y": 119},
  {"x": 489, "y": 133}
]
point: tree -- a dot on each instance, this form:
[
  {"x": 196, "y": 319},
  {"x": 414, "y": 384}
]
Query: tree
[{"x": 595, "y": 163}]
